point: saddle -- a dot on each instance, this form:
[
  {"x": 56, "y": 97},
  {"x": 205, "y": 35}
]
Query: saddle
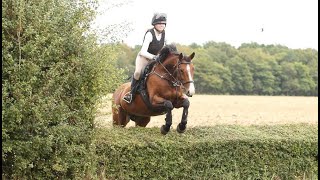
[{"x": 142, "y": 89}]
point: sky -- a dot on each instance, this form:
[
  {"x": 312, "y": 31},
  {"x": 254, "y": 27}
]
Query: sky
[{"x": 291, "y": 23}]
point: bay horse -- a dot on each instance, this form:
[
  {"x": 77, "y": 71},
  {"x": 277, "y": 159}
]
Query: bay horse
[{"x": 166, "y": 84}]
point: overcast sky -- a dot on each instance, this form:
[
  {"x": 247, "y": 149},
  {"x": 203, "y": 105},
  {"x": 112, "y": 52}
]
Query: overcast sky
[{"x": 292, "y": 23}]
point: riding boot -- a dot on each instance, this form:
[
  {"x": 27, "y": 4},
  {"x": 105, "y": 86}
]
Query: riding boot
[
  {"x": 131, "y": 95},
  {"x": 134, "y": 88}
]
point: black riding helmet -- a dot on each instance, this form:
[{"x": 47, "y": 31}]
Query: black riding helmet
[{"x": 158, "y": 17}]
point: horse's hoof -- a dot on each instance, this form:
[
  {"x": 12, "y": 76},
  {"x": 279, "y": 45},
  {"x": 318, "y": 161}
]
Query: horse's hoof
[
  {"x": 163, "y": 130},
  {"x": 181, "y": 130}
]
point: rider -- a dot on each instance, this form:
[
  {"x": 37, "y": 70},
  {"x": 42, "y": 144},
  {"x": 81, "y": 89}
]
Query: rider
[{"x": 154, "y": 40}]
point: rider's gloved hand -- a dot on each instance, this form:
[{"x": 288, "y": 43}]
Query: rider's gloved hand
[{"x": 155, "y": 58}]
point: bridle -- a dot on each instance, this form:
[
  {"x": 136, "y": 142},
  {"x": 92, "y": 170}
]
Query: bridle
[
  {"x": 179, "y": 72},
  {"x": 176, "y": 82}
]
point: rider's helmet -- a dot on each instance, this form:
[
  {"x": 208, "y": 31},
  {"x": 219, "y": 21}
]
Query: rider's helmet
[{"x": 159, "y": 17}]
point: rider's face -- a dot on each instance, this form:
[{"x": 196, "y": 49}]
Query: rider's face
[{"x": 160, "y": 26}]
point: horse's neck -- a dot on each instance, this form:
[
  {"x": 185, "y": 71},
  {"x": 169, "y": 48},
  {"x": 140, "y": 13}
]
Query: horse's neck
[
  {"x": 164, "y": 69},
  {"x": 167, "y": 65}
]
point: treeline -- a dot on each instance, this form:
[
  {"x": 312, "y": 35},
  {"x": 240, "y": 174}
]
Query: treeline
[{"x": 251, "y": 69}]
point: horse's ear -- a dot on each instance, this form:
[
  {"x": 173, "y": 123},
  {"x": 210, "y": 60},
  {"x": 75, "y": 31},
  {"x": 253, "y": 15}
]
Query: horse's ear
[
  {"x": 180, "y": 56},
  {"x": 192, "y": 55}
]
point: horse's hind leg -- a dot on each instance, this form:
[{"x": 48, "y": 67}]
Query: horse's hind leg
[
  {"x": 142, "y": 121},
  {"x": 120, "y": 117},
  {"x": 181, "y": 128}
]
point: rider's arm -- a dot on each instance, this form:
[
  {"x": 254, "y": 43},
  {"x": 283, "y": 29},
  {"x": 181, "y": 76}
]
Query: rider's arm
[{"x": 144, "y": 49}]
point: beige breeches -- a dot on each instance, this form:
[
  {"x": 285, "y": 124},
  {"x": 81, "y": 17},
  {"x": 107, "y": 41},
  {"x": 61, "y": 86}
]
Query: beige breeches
[{"x": 141, "y": 63}]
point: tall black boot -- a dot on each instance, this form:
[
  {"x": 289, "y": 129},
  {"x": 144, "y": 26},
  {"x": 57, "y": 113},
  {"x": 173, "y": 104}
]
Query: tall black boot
[{"x": 131, "y": 95}]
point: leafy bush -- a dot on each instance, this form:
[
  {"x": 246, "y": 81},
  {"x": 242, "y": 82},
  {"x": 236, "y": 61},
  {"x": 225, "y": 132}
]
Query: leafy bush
[{"x": 53, "y": 74}]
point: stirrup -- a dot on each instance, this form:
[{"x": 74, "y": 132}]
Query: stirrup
[{"x": 127, "y": 97}]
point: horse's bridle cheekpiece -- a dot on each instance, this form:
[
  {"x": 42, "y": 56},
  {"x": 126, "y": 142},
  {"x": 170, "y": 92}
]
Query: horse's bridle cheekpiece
[{"x": 183, "y": 83}]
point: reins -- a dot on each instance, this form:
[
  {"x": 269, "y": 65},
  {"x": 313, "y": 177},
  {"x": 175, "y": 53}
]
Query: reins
[{"x": 175, "y": 82}]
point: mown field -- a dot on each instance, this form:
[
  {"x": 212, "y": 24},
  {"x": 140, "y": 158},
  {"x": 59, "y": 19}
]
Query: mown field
[{"x": 210, "y": 110}]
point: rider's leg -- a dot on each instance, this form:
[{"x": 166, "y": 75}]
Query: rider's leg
[
  {"x": 130, "y": 96},
  {"x": 141, "y": 63}
]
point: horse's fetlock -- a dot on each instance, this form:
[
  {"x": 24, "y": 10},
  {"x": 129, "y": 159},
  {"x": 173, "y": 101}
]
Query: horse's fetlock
[
  {"x": 167, "y": 127},
  {"x": 181, "y": 128},
  {"x": 164, "y": 129},
  {"x": 184, "y": 122}
]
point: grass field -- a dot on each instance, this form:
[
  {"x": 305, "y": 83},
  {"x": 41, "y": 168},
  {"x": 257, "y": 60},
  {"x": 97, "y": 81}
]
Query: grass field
[{"x": 210, "y": 110}]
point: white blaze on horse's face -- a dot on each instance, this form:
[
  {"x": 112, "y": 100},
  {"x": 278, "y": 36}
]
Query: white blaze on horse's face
[
  {"x": 191, "y": 90},
  {"x": 186, "y": 74}
]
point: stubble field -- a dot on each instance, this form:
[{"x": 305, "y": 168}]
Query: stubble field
[{"x": 210, "y": 110}]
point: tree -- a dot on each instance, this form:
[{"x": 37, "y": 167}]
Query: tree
[
  {"x": 126, "y": 58},
  {"x": 211, "y": 77},
  {"x": 289, "y": 83},
  {"x": 241, "y": 76},
  {"x": 263, "y": 80}
]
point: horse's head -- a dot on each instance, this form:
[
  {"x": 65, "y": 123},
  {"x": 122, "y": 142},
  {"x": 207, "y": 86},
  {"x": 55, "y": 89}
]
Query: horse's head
[
  {"x": 178, "y": 66},
  {"x": 184, "y": 72}
]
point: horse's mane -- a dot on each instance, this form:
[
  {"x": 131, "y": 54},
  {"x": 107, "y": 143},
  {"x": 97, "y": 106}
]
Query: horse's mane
[{"x": 166, "y": 51}]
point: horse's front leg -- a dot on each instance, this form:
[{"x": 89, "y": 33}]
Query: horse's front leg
[
  {"x": 181, "y": 128},
  {"x": 166, "y": 128}
]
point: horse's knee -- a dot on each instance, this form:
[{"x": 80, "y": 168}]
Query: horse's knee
[
  {"x": 186, "y": 103},
  {"x": 168, "y": 105}
]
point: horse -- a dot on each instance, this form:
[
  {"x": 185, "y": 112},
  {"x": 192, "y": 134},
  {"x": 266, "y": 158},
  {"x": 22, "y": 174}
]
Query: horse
[{"x": 166, "y": 84}]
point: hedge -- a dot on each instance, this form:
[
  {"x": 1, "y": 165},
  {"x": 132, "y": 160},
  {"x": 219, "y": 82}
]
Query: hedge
[
  {"x": 54, "y": 73},
  {"x": 219, "y": 152}
]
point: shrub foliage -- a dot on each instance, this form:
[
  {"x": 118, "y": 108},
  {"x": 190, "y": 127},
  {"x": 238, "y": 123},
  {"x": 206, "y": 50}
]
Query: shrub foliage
[{"x": 53, "y": 74}]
